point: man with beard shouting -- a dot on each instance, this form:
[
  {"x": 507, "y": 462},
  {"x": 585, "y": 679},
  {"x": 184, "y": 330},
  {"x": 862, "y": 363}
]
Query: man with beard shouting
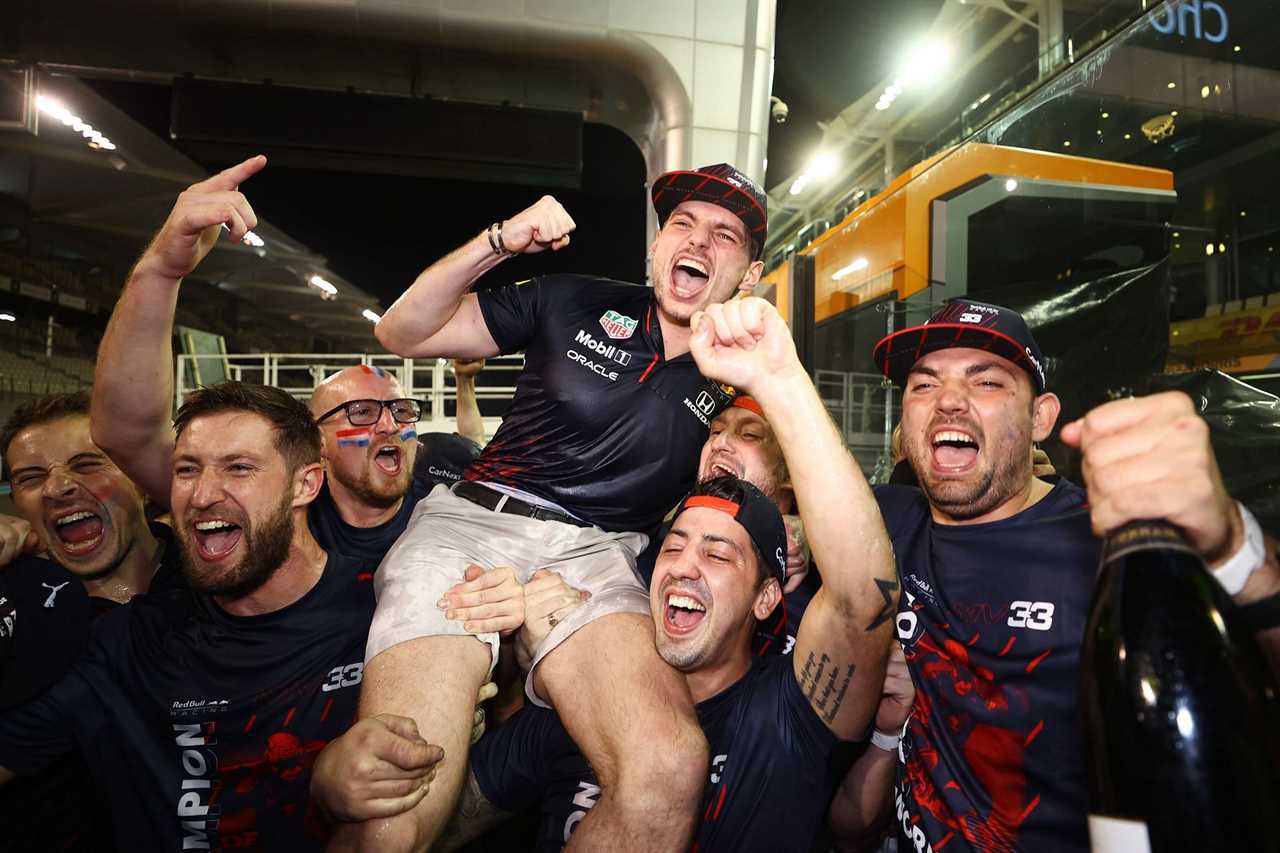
[
  {"x": 182, "y": 698},
  {"x": 368, "y": 427}
]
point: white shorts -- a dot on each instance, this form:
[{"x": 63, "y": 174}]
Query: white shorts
[{"x": 447, "y": 533}]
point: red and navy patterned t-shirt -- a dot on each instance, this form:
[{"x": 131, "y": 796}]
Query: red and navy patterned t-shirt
[
  {"x": 991, "y": 617},
  {"x": 200, "y": 728}
]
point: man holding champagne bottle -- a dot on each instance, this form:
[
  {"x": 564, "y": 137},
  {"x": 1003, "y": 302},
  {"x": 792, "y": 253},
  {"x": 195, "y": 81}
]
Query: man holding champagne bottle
[{"x": 998, "y": 567}]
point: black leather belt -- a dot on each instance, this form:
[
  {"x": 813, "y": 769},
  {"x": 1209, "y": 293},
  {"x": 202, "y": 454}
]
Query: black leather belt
[{"x": 502, "y": 502}]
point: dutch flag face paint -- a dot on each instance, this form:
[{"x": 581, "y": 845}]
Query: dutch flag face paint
[
  {"x": 409, "y": 433},
  {"x": 354, "y": 437},
  {"x": 374, "y": 371}
]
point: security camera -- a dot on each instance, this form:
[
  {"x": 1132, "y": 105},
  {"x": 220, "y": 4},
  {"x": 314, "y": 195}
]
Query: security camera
[{"x": 778, "y": 109}]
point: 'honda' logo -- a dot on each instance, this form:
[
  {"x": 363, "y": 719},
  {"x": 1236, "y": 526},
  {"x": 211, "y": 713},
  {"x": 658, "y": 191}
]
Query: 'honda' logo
[{"x": 705, "y": 403}]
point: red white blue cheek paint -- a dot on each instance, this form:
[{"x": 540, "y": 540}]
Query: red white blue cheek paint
[{"x": 355, "y": 437}]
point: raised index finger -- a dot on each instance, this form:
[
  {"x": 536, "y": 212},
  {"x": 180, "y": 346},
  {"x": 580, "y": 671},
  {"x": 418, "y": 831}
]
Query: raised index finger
[{"x": 233, "y": 177}]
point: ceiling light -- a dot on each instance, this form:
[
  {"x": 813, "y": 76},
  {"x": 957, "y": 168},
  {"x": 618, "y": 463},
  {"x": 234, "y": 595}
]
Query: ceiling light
[
  {"x": 1242, "y": 213},
  {"x": 1172, "y": 85},
  {"x": 371, "y": 316},
  {"x": 1010, "y": 185},
  {"x": 323, "y": 285},
  {"x": 1106, "y": 115},
  {"x": 1204, "y": 91},
  {"x": 1177, "y": 245},
  {"x": 7, "y": 317},
  {"x": 1208, "y": 248},
  {"x": 1173, "y": 112},
  {"x": 1222, "y": 248},
  {"x": 857, "y": 265},
  {"x": 1236, "y": 49},
  {"x": 1176, "y": 234},
  {"x": 823, "y": 165},
  {"x": 882, "y": 104},
  {"x": 1066, "y": 143},
  {"x": 1128, "y": 136},
  {"x": 924, "y": 62}
]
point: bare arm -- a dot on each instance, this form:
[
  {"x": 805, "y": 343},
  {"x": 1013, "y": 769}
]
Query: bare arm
[
  {"x": 862, "y": 806},
  {"x": 131, "y": 411},
  {"x": 470, "y": 424},
  {"x": 843, "y": 640},
  {"x": 436, "y": 317}
]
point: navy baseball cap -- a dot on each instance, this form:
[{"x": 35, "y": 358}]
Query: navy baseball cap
[
  {"x": 963, "y": 323},
  {"x": 722, "y": 185},
  {"x": 756, "y": 513}
]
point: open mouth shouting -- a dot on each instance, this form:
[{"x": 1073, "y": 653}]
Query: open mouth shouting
[
  {"x": 683, "y": 613},
  {"x": 389, "y": 458},
  {"x": 689, "y": 276},
  {"x": 955, "y": 451},
  {"x": 215, "y": 538},
  {"x": 722, "y": 466},
  {"x": 79, "y": 532}
]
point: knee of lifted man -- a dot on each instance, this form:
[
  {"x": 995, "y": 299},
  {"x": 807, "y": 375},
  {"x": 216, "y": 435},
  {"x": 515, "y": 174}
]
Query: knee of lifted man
[{"x": 673, "y": 769}]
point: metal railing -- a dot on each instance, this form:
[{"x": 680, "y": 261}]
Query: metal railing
[
  {"x": 862, "y": 405},
  {"x": 300, "y": 373}
]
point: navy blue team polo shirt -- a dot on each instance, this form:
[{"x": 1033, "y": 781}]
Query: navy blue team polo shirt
[{"x": 602, "y": 423}]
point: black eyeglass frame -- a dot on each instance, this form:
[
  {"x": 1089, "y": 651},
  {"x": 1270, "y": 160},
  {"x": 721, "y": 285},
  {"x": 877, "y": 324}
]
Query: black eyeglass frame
[{"x": 382, "y": 404}]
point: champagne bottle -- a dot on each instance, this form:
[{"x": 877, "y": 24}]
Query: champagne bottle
[{"x": 1181, "y": 715}]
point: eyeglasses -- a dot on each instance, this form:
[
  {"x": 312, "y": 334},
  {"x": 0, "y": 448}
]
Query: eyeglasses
[{"x": 367, "y": 412}]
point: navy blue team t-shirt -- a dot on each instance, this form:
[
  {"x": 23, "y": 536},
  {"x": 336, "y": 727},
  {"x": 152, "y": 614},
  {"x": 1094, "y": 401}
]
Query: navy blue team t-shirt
[
  {"x": 200, "y": 728},
  {"x": 991, "y": 617},
  {"x": 602, "y": 424},
  {"x": 772, "y": 775}
]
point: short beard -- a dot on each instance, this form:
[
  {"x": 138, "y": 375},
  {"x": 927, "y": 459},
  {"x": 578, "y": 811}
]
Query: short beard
[
  {"x": 685, "y": 657},
  {"x": 382, "y": 498},
  {"x": 265, "y": 551},
  {"x": 963, "y": 502}
]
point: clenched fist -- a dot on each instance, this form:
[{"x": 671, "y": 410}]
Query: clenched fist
[
  {"x": 545, "y": 225},
  {"x": 744, "y": 343}
]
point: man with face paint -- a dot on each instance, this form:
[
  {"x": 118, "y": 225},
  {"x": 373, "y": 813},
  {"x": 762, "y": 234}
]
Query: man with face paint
[{"x": 376, "y": 471}]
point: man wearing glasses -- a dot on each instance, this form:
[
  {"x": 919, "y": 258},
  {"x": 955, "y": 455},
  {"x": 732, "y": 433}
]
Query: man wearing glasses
[{"x": 369, "y": 428}]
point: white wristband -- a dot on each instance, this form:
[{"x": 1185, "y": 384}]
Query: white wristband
[
  {"x": 886, "y": 742},
  {"x": 1234, "y": 573}
]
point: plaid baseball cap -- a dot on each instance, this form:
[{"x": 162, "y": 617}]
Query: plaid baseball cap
[
  {"x": 963, "y": 323},
  {"x": 757, "y": 514},
  {"x": 722, "y": 185}
]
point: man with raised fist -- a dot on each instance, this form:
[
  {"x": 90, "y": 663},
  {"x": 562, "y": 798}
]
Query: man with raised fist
[{"x": 602, "y": 438}]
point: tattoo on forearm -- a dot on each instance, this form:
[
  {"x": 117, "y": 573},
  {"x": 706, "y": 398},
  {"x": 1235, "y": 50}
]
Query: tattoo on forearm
[
  {"x": 818, "y": 675},
  {"x": 887, "y": 589}
]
